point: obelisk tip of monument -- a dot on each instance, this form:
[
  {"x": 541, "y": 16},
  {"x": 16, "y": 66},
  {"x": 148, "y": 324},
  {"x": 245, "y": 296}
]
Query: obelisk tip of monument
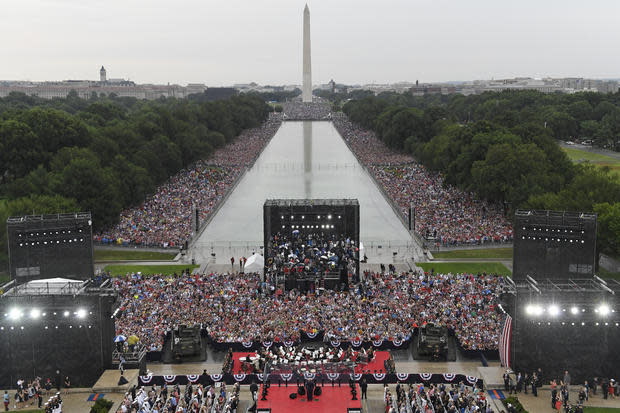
[{"x": 306, "y": 95}]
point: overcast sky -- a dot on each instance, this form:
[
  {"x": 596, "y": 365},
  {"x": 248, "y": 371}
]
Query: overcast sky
[{"x": 353, "y": 41}]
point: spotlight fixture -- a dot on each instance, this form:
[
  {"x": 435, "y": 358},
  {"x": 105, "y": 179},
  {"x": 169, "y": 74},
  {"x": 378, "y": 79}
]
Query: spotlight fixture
[
  {"x": 574, "y": 310},
  {"x": 603, "y": 309},
  {"x": 534, "y": 310},
  {"x": 66, "y": 313},
  {"x": 81, "y": 313},
  {"x": 554, "y": 310},
  {"x": 35, "y": 313},
  {"x": 15, "y": 314}
]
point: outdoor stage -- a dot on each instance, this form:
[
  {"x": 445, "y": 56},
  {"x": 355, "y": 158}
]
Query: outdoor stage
[
  {"x": 375, "y": 366},
  {"x": 332, "y": 400}
]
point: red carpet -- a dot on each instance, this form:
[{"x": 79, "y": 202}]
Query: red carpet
[
  {"x": 376, "y": 364},
  {"x": 332, "y": 400},
  {"x": 237, "y": 364}
]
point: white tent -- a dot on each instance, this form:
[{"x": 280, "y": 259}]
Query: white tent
[{"x": 255, "y": 263}]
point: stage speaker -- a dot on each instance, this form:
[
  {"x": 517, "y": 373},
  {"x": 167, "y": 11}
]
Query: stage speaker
[{"x": 293, "y": 396}]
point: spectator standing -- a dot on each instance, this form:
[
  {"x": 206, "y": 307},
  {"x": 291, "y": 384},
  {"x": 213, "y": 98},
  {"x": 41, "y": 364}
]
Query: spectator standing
[
  {"x": 363, "y": 388},
  {"x": 567, "y": 380},
  {"x": 67, "y": 384}
]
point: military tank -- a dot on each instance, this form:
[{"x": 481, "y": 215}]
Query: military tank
[{"x": 433, "y": 341}]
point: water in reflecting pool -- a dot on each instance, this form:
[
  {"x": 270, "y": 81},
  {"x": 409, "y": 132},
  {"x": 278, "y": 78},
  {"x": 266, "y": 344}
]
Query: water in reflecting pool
[{"x": 303, "y": 160}]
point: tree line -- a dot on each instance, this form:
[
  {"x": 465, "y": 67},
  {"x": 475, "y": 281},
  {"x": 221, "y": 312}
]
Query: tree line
[
  {"x": 106, "y": 154},
  {"x": 502, "y": 146}
]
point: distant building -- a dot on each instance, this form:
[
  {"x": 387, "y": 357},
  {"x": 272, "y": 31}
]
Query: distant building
[
  {"x": 546, "y": 85},
  {"x": 86, "y": 88},
  {"x": 332, "y": 86}
]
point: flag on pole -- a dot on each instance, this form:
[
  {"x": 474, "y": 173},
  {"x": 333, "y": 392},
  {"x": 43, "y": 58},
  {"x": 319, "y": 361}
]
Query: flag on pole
[{"x": 505, "y": 340}]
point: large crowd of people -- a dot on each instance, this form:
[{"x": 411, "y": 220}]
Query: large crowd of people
[
  {"x": 420, "y": 398},
  {"x": 445, "y": 214},
  {"x": 297, "y": 110},
  {"x": 314, "y": 253},
  {"x": 245, "y": 309},
  {"x": 165, "y": 218},
  {"x": 194, "y": 398}
]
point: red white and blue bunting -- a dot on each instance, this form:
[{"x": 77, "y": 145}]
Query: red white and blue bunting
[
  {"x": 286, "y": 376},
  {"x": 246, "y": 379},
  {"x": 426, "y": 376},
  {"x": 379, "y": 376},
  {"x": 169, "y": 379},
  {"x": 193, "y": 378},
  {"x": 472, "y": 380},
  {"x": 333, "y": 376}
]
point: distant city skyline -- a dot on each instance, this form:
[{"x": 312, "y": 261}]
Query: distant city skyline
[{"x": 353, "y": 42}]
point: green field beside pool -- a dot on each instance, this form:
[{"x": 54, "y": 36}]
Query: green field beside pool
[
  {"x": 104, "y": 254},
  {"x": 465, "y": 267},
  {"x": 501, "y": 253},
  {"x": 116, "y": 270}
]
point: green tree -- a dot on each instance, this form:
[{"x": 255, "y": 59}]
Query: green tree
[
  {"x": 563, "y": 125},
  {"x": 21, "y": 150},
  {"x": 510, "y": 172},
  {"x": 95, "y": 189},
  {"x": 608, "y": 225}
]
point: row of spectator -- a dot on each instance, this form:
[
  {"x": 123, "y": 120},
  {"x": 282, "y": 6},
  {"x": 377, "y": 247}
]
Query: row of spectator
[
  {"x": 165, "y": 218},
  {"x": 443, "y": 213}
]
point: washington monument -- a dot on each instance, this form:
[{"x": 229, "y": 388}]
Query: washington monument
[{"x": 306, "y": 94}]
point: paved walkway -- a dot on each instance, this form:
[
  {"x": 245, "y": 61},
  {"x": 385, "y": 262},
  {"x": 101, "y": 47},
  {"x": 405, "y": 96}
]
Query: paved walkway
[{"x": 542, "y": 403}]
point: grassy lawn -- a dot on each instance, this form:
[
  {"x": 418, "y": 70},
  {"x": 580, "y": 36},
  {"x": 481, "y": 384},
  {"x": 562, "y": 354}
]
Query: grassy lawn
[
  {"x": 147, "y": 269},
  {"x": 467, "y": 267},
  {"x": 131, "y": 254},
  {"x": 603, "y": 273},
  {"x": 475, "y": 253},
  {"x": 4, "y": 278},
  {"x": 578, "y": 155},
  {"x": 601, "y": 410}
]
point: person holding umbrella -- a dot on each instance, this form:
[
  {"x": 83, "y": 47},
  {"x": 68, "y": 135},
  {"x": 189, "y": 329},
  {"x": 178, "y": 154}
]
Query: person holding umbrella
[
  {"x": 132, "y": 340},
  {"x": 119, "y": 341}
]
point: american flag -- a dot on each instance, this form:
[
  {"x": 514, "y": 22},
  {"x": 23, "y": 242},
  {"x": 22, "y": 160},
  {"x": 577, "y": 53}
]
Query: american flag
[{"x": 505, "y": 341}]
